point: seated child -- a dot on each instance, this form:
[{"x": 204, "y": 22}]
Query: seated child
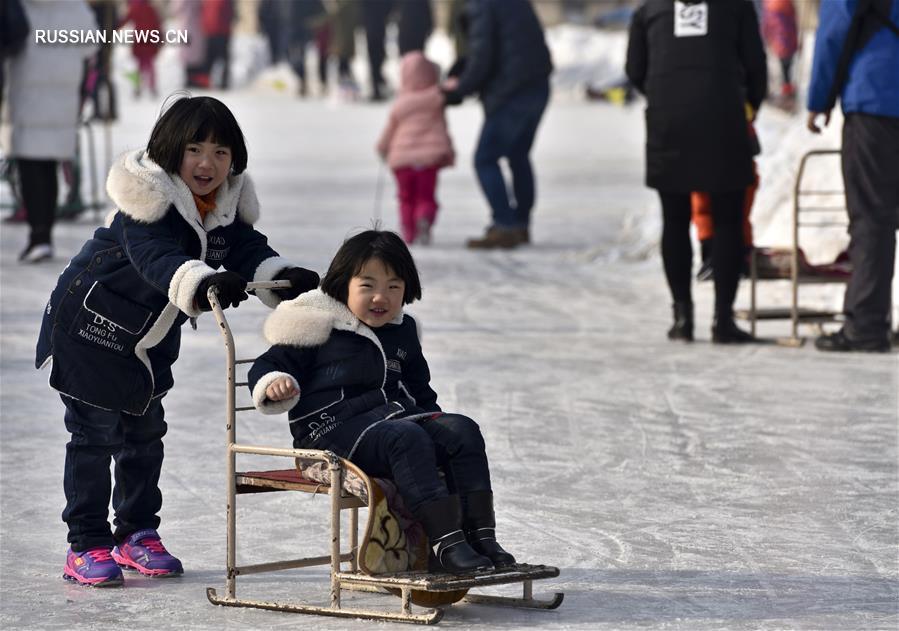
[{"x": 347, "y": 365}]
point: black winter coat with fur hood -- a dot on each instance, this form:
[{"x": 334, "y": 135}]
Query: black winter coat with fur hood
[
  {"x": 113, "y": 323},
  {"x": 349, "y": 376}
]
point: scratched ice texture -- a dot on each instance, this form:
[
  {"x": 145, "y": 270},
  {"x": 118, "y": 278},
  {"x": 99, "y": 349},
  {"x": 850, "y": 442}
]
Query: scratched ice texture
[{"x": 675, "y": 486}]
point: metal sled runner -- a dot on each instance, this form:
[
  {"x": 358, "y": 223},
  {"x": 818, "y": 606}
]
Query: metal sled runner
[{"x": 380, "y": 561}]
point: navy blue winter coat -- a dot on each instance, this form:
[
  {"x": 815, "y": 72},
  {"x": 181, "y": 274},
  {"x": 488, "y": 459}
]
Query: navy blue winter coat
[
  {"x": 112, "y": 325},
  {"x": 872, "y": 84},
  {"x": 506, "y": 51},
  {"x": 349, "y": 376}
]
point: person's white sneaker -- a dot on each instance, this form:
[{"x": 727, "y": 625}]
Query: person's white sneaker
[{"x": 37, "y": 253}]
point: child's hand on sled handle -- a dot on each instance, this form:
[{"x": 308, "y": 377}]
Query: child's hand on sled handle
[{"x": 281, "y": 389}]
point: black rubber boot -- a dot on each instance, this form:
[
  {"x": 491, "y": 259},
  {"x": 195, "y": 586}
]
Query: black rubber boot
[
  {"x": 479, "y": 522},
  {"x": 682, "y": 329},
  {"x": 726, "y": 332},
  {"x": 451, "y": 552}
]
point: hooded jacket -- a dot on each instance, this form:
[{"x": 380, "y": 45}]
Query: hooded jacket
[
  {"x": 112, "y": 325},
  {"x": 416, "y": 133},
  {"x": 349, "y": 376}
]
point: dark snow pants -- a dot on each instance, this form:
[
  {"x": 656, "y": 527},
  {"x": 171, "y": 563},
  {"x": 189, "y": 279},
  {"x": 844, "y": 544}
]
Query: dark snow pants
[
  {"x": 870, "y": 158},
  {"x": 410, "y": 452},
  {"x": 98, "y": 437}
]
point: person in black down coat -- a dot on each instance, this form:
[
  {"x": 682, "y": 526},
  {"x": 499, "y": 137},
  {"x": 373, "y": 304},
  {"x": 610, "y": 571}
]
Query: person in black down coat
[
  {"x": 508, "y": 64},
  {"x": 699, "y": 63}
]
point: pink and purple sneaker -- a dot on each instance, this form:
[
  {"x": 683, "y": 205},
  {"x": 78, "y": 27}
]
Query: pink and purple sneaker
[
  {"x": 144, "y": 552},
  {"x": 94, "y": 567}
]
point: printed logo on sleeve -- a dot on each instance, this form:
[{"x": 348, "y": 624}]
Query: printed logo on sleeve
[{"x": 691, "y": 20}]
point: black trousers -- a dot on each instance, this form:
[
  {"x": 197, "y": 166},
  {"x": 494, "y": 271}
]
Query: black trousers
[
  {"x": 98, "y": 438},
  {"x": 727, "y": 247},
  {"x": 39, "y": 192},
  {"x": 416, "y": 22},
  {"x": 218, "y": 48},
  {"x": 870, "y": 156},
  {"x": 410, "y": 453},
  {"x": 374, "y": 16}
]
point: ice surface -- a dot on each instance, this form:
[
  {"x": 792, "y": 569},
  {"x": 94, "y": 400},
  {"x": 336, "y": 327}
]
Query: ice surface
[{"x": 676, "y": 486}]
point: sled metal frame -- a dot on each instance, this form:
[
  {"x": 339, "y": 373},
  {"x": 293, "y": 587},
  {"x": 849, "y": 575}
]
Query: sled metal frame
[
  {"x": 353, "y": 579},
  {"x": 795, "y": 313}
]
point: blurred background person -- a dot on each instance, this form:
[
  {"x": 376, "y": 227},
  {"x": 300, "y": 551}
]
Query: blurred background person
[
  {"x": 508, "y": 64},
  {"x": 416, "y": 144},
  {"x": 98, "y": 84},
  {"x": 374, "y": 19},
  {"x": 301, "y": 20},
  {"x": 698, "y": 63},
  {"x": 188, "y": 16},
  {"x": 218, "y": 20},
  {"x": 780, "y": 32},
  {"x": 41, "y": 115},
  {"x": 857, "y": 59},
  {"x": 142, "y": 16},
  {"x": 342, "y": 45},
  {"x": 272, "y": 15},
  {"x": 414, "y": 25}
]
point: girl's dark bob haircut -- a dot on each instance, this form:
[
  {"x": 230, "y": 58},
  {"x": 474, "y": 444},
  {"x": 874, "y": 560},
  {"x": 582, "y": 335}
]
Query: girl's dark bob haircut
[
  {"x": 358, "y": 250},
  {"x": 195, "y": 119}
]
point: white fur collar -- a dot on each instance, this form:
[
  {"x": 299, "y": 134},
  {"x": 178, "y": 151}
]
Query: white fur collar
[
  {"x": 142, "y": 190},
  {"x": 308, "y": 320}
]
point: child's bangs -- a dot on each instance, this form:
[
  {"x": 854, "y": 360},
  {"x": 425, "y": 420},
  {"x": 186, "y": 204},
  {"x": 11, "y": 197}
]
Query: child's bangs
[{"x": 207, "y": 126}]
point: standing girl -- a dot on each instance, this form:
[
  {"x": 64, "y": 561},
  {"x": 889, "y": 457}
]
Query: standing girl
[
  {"x": 112, "y": 327},
  {"x": 347, "y": 365},
  {"x": 416, "y": 145}
]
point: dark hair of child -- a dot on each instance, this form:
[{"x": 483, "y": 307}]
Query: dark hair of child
[
  {"x": 195, "y": 119},
  {"x": 356, "y": 251}
]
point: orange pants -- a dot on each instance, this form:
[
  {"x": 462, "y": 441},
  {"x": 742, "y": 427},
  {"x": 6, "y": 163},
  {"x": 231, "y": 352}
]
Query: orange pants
[{"x": 702, "y": 211}]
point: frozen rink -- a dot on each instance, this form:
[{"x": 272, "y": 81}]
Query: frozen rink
[{"x": 675, "y": 486}]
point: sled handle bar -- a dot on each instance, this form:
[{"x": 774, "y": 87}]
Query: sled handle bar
[{"x": 212, "y": 293}]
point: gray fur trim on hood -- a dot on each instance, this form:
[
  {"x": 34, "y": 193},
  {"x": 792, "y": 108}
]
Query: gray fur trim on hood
[
  {"x": 307, "y": 321},
  {"x": 141, "y": 189}
]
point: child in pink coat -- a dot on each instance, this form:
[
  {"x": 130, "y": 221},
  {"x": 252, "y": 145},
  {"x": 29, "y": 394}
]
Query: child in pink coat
[{"x": 416, "y": 144}]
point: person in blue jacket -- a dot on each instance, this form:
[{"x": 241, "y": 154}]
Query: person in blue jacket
[
  {"x": 347, "y": 366},
  {"x": 112, "y": 327},
  {"x": 868, "y": 88}
]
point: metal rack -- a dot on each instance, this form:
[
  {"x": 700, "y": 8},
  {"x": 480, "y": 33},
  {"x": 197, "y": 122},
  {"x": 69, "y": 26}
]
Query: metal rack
[{"x": 812, "y": 207}]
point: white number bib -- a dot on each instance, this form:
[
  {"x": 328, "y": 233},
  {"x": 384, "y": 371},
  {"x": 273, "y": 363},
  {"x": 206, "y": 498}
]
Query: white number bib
[{"x": 691, "y": 20}]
